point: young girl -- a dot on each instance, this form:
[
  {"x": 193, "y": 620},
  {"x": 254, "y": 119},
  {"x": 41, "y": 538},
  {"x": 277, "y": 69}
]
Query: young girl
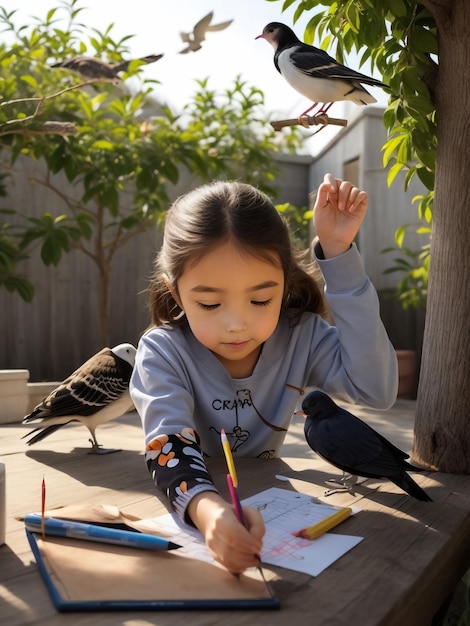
[{"x": 238, "y": 334}]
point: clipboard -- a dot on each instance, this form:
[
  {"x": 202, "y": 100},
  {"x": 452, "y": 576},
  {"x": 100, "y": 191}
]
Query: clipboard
[{"x": 87, "y": 576}]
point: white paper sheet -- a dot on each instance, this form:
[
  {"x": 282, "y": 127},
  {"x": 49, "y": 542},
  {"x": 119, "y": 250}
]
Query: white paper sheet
[{"x": 283, "y": 512}]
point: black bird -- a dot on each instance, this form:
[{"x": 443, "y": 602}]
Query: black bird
[
  {"x": 195, "y": 39},
  {"x": 350, "y": 444},
  {"x": 97, "y": 392},
  {"x": 91, "y": 68},
  {"x": 314, "y": 73}
]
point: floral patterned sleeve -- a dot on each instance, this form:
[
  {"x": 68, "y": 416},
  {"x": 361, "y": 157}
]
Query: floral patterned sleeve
[{"x": 177, "y": 467}]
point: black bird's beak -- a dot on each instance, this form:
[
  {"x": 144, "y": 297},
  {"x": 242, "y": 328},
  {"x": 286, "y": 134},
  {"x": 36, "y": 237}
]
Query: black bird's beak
[{"x": 301, "y": 413}]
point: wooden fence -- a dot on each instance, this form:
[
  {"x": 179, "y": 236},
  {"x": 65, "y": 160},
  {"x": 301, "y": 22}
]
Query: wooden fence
[{"x": 59, "y": 330}]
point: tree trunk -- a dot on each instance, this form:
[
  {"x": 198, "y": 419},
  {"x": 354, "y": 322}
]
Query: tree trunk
[
  {"x": 442, "y": 426},
  {"x": 104, "y": 305}
]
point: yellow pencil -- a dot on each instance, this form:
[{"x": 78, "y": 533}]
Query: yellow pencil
[
  {"x": 322, "y": 527},
  {"x": 229, "y": 457}
]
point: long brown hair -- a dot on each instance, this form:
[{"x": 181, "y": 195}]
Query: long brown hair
[{"x": 228, "y": 211}]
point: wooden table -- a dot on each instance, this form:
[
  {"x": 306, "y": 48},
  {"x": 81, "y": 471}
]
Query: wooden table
[{"x": 412, "y": 555}]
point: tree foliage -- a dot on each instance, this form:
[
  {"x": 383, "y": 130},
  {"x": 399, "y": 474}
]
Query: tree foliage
[
  {"x": 398, "y": 38},
  {"x": 118, "y": 149},
  {"x": 421, "y": 49}
]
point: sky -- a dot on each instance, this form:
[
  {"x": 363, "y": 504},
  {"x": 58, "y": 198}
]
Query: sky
[{"x": 156, "y": 26}]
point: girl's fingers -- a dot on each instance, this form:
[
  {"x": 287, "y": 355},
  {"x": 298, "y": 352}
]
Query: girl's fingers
[
  {"x": 332, "y": 182},
  {"x": 255, "y": 524}
]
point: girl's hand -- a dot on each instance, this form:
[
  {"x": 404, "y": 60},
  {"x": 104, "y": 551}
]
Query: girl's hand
[
  {"x": 339, "y": 211},
  {"x": 229, "y": 542}
]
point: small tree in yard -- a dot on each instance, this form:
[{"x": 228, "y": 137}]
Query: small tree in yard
[
  {"x": 125, "y": 150},
  {"x": 422, "y": 50}
]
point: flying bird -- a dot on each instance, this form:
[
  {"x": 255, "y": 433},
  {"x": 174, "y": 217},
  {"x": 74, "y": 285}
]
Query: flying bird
[
  {"x": 314, "y": 73},
  {"x": 353, "y": 446},
  {"x": 198, "y": 35},
  {"x": 97, "y": 392},
  {"x": 91, "y": 68}
]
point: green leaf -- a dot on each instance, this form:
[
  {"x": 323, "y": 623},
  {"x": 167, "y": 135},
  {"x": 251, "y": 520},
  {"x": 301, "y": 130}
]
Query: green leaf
[
  {"x": 393, "y": 172},
  {"x": 400, "y": 235},
  {"x": 392, "y": 146},
  {"x": 398, "y": 8},
  {"x": 286, "y": 4},
  {"x": 102, "y": 144},
  {"x": 424, "y": 40},
  {"x": 21, "y": 285},
  {"x": 426, "y": 176},
  {"x": 51, "y": 250},
  {"x": 30, "y": 80}
]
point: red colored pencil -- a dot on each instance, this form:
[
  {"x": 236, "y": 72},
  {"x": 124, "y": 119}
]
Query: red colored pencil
[{"x": 43, "y": 507}]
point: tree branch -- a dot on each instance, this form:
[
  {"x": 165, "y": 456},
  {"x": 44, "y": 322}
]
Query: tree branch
[
  {"x": 50, "y": 96},
  {"x": 48, "y": 128},
  {"x": 40, "y": 103},
  {"x": 314, "y": 120}
]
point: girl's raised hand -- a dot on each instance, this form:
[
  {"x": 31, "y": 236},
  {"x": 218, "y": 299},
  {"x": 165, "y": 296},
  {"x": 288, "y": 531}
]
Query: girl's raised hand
[{"x": 339, "y": 211}]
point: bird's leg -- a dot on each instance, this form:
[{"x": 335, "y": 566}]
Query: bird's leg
[
  {"x": 96, "y": 448},
  {"x": 322, "y": 113},
  {"x": 345, "y": 483},
  {"x": 304, "y": 122},
  {"x": 346, "y": 480},
  {"x": 324, "y": 108}
]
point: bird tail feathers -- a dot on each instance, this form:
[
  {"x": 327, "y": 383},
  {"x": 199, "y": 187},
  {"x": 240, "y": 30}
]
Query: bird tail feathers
[
  {"x": 124, "y": 65},
  {"x": 406, "y": 483},
  {"x": 41, "y": 433},
  {"x": 359, "y": 95}
]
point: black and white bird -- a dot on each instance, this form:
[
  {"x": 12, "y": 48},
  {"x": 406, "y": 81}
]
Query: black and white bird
[
  {"x": 353, "y": 446},
  {"x": 91, "y": 68},
  {"x": 314, "y": 73},
  {"x": 198, "y": 35},
  {"x": 97, "y": 392}
]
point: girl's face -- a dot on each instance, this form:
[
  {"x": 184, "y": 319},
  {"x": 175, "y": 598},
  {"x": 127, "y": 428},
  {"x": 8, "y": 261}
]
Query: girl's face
[{"x": 232, "y": 302}]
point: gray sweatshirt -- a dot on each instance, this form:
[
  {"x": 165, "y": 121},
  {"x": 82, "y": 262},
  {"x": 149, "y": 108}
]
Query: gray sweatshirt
[{"x": 185, "y": 396}]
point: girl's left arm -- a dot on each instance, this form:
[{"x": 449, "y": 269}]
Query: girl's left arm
[{"x": 354, "y": 358}]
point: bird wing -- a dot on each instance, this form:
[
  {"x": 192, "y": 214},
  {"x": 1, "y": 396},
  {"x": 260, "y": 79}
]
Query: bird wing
[
  {"x": 95, "y": 384},
  {"x": 350, "y": 444},
  {"x": 89, "y": 67},
  {"x": 319, "y": 64},
  {"x": 200, "y": 28},
  {"x": 220, "y": 26}
]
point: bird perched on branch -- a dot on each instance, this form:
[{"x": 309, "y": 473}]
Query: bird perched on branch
[
  {"x": 198, "y": 35},
  {"x": 97, "y": 392},
  {"x": 91, "y": 68},
  {"x": 353, "y": 446},
  {"x": 314, "y": 73}
]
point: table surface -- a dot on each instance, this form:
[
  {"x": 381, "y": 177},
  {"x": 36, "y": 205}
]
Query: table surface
[{"x": 411, "y": 558}]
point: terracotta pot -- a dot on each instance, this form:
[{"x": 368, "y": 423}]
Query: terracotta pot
[{"x": 406, "y": 373}]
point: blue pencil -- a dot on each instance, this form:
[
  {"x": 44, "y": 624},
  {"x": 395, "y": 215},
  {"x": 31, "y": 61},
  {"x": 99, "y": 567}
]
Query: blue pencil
[{"x": 91, "y": 532}]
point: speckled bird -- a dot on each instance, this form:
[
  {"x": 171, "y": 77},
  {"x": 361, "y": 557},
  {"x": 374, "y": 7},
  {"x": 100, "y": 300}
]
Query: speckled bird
[
  {"x": 97, "y": 392},
  {"x": 91, "y": 68}
]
